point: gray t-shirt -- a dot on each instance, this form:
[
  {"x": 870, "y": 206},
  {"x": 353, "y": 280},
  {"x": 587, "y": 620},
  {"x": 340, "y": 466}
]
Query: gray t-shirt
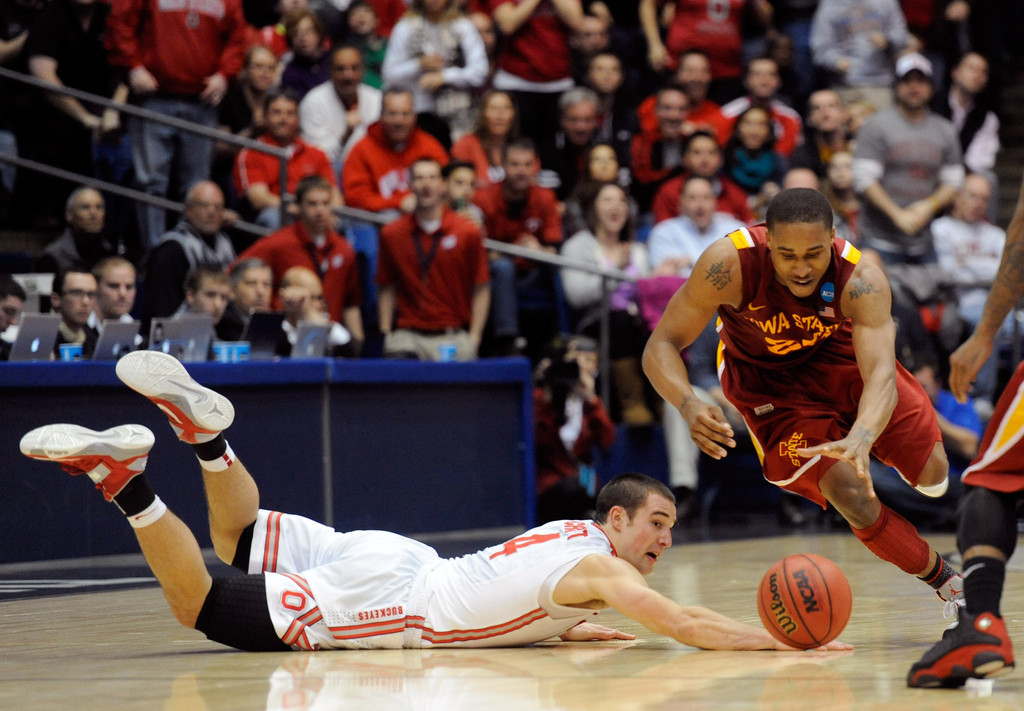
[{"x": 915, "y": 158}]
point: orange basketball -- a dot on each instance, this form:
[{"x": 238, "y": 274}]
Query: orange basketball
[{"x": 804, "y": 600}]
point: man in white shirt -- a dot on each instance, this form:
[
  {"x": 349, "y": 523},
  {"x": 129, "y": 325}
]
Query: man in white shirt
[
  {"x": 969, "y": 247},
  {"x": 335, "y": 114},
  {"x": 675, "y": 244}
]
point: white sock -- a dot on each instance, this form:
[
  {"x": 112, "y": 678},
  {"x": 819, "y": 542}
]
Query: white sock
[
  {"x": 220, "y": 463},
  {"x": 936, "y": 490},
  {"x": 150, "y": 515}
]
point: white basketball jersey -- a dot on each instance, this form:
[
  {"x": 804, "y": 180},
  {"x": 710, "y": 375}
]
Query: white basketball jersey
[{"x": 502, "y": 595}]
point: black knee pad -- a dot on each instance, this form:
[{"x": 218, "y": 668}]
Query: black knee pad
[
  {"x": 235, "y": 613},
  {"x": 987, "y": 518},
  {"x": 241, "y": 559}
]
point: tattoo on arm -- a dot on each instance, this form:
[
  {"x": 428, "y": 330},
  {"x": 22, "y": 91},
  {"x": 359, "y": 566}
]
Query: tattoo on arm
[
  {"x": 718, "y": 275},
  {"x": 860, "y": 287}
]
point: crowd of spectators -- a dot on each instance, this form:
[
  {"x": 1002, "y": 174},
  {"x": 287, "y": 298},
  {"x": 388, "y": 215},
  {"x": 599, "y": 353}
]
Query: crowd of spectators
[{"x": 620, "y": 134}]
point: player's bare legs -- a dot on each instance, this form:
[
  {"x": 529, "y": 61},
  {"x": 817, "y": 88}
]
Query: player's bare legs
[
  {"x": 115, "y": 460},
  {"x": 233, "y": 501},
  {"x": 199, "y": 416},
  {"x": 173, "y": 555}
]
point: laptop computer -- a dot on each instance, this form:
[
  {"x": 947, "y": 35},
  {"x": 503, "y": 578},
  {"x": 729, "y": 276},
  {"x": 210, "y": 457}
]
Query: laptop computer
[
  {"x": 263, "y": 333},
  {"x": 187, "y": 337},
  {"x": 310, "y": 340},
  {"x": 37, "y": 334},
  {"x": 116, "y": 339}
]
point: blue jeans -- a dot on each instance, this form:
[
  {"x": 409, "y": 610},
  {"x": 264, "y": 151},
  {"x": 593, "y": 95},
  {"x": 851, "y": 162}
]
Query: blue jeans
[
  {"x": 157, "y": 148},
  {"x": 504, "y": 316}
]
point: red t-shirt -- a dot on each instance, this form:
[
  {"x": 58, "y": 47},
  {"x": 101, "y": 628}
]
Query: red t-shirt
[
  {"x": 335, "y": 261},
  {"x": 539, "y": 50},
  {"x": 713, "y": 26},
  {"x": 440, "y": 296},
  {"x": 255, "y": 167},
  {"x": 538, "y": 216}
]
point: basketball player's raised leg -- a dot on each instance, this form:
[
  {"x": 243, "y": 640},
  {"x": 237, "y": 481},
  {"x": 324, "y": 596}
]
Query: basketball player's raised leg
[
  {"x": 115, "y": 460},
  {"x": 199, "y": 416},
  {"x": 933, "y": 481},
  {"x": 887, "y": 534}
]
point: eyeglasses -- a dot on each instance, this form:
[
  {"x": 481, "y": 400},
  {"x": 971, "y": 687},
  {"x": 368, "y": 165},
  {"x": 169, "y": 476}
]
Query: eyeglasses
[
  {"x": 11, "y": 312},
  {"x": 80, "y": 294}
]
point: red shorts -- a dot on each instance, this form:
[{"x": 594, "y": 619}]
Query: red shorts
[
  {"x": 816, "y": 402},
  {"x": 1000, "y": 461}
]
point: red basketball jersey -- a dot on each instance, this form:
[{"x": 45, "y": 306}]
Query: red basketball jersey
[{"x": 773, "y": 328}]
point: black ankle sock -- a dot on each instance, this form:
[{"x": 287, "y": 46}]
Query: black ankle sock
[
  {"x": 939, "y": 574},
  {"x": 214, "y": 449},
  {"x": 983, "y": 584},
  {"x": 135, "y": 497}
]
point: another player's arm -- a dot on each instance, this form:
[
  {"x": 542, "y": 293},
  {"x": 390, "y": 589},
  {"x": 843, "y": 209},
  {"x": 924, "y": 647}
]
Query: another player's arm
[
  {"x": 867, "y": 300},
  {"x": 618, "y": 584},
  {"x": 715, "y": 281},
  {"x": 1006, "y": 291}
]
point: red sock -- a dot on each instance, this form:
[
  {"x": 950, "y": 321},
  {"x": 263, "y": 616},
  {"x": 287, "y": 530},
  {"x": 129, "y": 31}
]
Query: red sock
[{"x": 894, "y": 538}]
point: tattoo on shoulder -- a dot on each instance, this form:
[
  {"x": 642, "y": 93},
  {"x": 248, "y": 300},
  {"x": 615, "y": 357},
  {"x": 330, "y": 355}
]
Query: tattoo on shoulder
[
  {"x": 861, "y": 287},
  {"x": 718, "y": 275}
]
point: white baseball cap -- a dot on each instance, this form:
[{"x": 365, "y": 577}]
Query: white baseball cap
[{"x": 913, "y": 62}]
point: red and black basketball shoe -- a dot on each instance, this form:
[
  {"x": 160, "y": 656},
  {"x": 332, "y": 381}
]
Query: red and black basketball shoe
[{"x": 977, "y": 648}]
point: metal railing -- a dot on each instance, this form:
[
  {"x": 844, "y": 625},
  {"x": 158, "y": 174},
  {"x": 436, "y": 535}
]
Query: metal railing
[
  {"x": 608, "y": 276},
  {"x": 127, "y": 108}
]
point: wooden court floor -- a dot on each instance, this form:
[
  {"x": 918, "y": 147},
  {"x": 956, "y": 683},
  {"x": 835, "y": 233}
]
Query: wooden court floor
[{"x": 122, "y": 650}]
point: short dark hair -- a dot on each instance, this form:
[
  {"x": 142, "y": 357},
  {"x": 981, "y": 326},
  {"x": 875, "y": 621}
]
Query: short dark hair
[
  {"x": 454, "y": 165},
  {"x": 700, "y": 133},
  {"x": 311, "y": 182},
  {"x": 239, "y": 269},
  {"x": 61, "y": 276},
  {"x": 629, "y": 491},
  {"x": 279, "y": 93},
  {"x": 347, "y": 45},
  {"x": 799, "y": 205},
  {"x": 196, "y": 277},
  {"x": 519, "y": 144},
  {"x": 9, "y": 286}
]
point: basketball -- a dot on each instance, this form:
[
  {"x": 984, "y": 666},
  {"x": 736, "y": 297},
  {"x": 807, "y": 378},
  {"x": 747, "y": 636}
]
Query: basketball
[{"x": 804, "y": 600}]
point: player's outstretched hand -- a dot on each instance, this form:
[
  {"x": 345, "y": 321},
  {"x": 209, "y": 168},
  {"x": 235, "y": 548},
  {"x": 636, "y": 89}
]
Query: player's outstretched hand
[
  {"x": 855, "y": 449},
  {"x": 709, "y": 428},
  {"x": 833, "y": 646},
  {"x": 588, "y": 632}
]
